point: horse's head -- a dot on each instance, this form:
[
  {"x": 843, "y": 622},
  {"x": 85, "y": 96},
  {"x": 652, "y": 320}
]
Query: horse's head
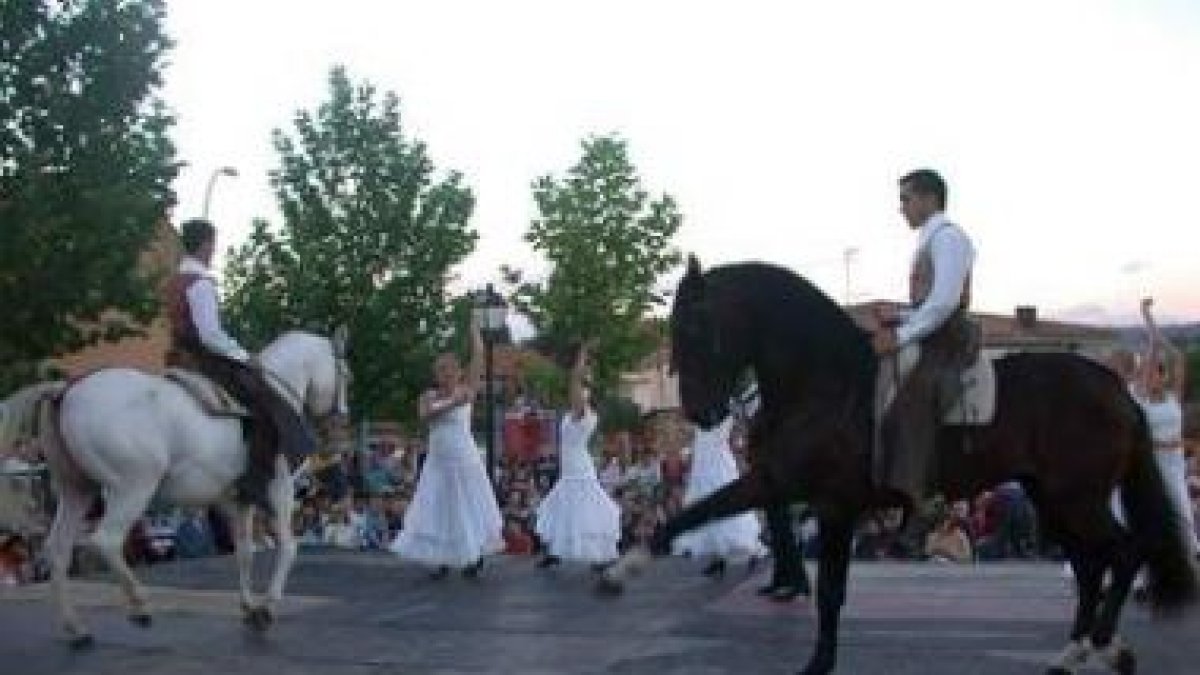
[
  {"x": 706, "y": 351},
  {"x": 312, "y": 371},
  {"x": 334, "y": 397}
]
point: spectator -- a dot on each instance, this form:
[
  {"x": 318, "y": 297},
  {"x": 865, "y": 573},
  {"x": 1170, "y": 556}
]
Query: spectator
[
  {"x": 16, "y": 567},
  {"x": 673, "y": 468},
  {"x": 308, "y": 526},
  {"x": 612, "y": 476},
  {"x": 193, "y": 537},
  {"x": 948, "y": 542},
  {"x": 373, "y": 526},
  {"x": 340, "y": 532},
  {"x": 516, "y": 538}
]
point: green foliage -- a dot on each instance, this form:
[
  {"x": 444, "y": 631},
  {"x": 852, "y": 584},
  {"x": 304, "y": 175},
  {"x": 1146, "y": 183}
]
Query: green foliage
[
  {"x": 1193, "y": 373},
  {"x": 368, "y": 239},
  {"x": 546, "y": 382},
  {"x": 608, "y": 243},
  {"x": 618, "y": 413},
  {"x": 85, "y": 172}
]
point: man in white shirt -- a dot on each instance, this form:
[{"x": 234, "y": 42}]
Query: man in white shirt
[
  {"x": 200, "y": 343},
  {"x": 940, "y": 293}
]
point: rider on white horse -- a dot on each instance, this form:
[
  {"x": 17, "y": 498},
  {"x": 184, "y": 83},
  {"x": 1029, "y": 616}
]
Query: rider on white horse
[{"x": 199, "y": 343}]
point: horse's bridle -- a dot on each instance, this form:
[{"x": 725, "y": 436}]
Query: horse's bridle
[{"x": 337, "y": 416}]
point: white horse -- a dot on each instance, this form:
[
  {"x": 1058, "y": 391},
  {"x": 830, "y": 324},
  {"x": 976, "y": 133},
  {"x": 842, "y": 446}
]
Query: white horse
[{"x": 126, "y": 435}]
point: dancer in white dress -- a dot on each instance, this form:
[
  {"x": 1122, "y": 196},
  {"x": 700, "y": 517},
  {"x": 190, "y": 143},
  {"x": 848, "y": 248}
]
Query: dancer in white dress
[
  {"x": 714, "y": 467},
  {"x": 453, "y": 520},
  {"x": 1159, "y": 389},
  {"x": 578, "y": 520}
]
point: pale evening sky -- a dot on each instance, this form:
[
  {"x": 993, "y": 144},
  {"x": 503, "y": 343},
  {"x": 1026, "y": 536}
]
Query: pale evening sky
[{"x": 1069, "y": 130}]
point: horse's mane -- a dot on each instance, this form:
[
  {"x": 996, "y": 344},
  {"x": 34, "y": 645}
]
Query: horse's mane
[
  {"x": 793, "y": 316},
  {"x": 292, "y": 336}
]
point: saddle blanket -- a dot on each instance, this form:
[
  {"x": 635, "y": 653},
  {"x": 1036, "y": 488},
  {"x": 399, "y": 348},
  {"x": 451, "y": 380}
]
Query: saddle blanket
[{"x": 215, "y": 400}]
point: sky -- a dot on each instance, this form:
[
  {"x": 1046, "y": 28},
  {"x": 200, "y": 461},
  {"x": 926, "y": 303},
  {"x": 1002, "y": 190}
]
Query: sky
[{"x": 1068, "y": 130}]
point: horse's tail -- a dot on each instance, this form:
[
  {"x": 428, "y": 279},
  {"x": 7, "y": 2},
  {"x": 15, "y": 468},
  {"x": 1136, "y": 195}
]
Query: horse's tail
[
  {"x": 29, "y": 418},
  {"x": 1157, "y": 527},
  {"x": 31, "y": 415},
  {"x": 23, "y": 416}
]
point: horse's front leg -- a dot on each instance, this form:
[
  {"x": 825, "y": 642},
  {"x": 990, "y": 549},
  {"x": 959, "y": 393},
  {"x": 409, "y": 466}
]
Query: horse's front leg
[
  {"x": 751, "y": 491},
  {"x": 836, "y": 530},
  {"x": 283, "y": 495},
  {"x": 241, "y": 521},
  {"x": 788, "y": 578}
]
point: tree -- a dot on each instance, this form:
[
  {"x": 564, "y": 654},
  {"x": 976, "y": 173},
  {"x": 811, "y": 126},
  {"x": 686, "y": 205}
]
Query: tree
[
  {"x": 608, "y": 244},
  {"x": 368, "y": 239},
  {"x": 1192, "y": 383},
  {"x": 85, "y": 173}
]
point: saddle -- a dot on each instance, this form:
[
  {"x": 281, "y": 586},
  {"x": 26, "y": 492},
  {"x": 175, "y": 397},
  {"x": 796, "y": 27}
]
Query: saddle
[
  {"x": 970, "y": 397},
  {"x": 967, "y": 396},
  {"x": 213, "y": 399}
]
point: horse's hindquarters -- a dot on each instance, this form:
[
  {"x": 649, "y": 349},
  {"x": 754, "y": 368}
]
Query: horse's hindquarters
[{"x": 125, "y": 428}]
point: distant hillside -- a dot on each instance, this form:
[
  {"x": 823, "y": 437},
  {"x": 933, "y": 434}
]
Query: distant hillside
[{"x": 1182, "y": 333}]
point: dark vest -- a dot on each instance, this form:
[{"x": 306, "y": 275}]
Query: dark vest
[
  {"x": 920, "y": 278},
  {"x": 185, "y": 339}
]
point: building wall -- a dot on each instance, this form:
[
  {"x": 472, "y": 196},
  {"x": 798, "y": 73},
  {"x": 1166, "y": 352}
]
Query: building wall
[{"x": 652, "y": 387}]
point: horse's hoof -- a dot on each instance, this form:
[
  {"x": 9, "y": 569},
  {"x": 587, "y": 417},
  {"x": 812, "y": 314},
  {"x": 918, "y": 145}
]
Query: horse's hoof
[
  {"x": 609, "y": 588},
  {"x": 1126, "y": 662},
  {"x": 81, "y": 642},
  {"x": 817, "y": 669},
  {"x": 140, "y": 619},
  {"x": 472, "y": 571},
  {"x": 786, "y": 594},
  {"x": 715, "y": 570},
  {"x": 258, "y": 618}
]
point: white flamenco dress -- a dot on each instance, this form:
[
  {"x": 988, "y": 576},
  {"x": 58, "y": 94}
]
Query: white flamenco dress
[
  {"x": 713, "y": 467},
  {"x": 453, "y": 519},
  {"x": 578, "y": 520}
]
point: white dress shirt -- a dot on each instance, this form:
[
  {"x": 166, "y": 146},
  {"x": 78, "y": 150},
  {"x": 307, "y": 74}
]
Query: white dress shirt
[
  {"x": 953, "y": 256},
  {"x": 206, "y": 316}
]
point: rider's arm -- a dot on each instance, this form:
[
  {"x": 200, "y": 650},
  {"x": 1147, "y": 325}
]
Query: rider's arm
[
  {"x": 952, "y": 256},
  {"x": 202, "y": 299}
]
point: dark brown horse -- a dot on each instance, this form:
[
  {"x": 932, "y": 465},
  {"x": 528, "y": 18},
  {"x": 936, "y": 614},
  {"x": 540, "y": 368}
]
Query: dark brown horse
[{"x": 1065, "y": 427}]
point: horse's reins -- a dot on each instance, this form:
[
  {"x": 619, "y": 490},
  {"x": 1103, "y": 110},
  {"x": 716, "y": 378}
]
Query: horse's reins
[{"x": 299, "y": 401}]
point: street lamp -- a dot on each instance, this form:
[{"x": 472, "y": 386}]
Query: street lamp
[
  {"x": 491, "y": 313},
  {"x": 848, "y": 256},
  {"x": 212, "y": 181}
]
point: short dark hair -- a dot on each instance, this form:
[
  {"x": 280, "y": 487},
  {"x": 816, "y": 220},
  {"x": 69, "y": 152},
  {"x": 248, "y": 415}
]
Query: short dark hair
[
  {"x": 195, "y": 233},
  {"x": 926, "y": 182}
]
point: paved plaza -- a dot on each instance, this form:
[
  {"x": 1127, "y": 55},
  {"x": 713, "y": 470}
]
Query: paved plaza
[{"x": 366, "y": 613}]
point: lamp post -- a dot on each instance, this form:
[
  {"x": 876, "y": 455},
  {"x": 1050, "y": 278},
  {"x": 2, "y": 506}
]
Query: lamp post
[
  {"x": 491, "y": 313},
  {"x": 212, "y": 181},
  {"x": 848, "y": 256}
]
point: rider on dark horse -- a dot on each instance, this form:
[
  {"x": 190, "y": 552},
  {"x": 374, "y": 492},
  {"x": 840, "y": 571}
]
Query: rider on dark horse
[
  {"x": 940, "y": 293},
  {"x": 199, "y": 343}
]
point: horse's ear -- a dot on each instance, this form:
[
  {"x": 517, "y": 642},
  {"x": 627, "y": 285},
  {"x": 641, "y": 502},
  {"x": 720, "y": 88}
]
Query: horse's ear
[
  {"x": 340, "y": 335},
  {"x": 693, "y": 278}
]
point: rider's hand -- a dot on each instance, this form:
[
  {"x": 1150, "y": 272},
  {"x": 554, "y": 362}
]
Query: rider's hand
[{"x": 884, "y": 341}]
